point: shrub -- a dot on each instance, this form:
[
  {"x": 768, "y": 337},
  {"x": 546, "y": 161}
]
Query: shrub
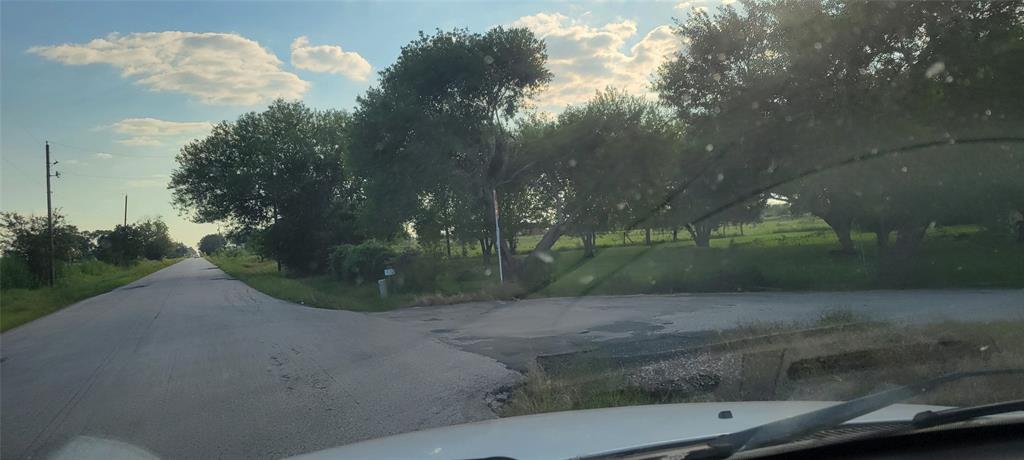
[
  {"x": 415, "y": 272},
  {"x": 231, "y": 251},
  {"x": 16, "y": 274},
  {"x": 418, "y": 272},
  {"x": 536, "y": 273},
  {"x": 365, "y": 261},
  {"x": 336, "y": 259}
]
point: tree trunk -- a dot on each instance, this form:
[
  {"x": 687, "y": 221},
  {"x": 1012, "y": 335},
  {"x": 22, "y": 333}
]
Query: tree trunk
[
  {"x": 465, "y": 250},
  {"x": 741, "y": 228},
  {"x": 1020, "y": 227},
  {"x": 841, "y": 226},
  {"x": 647, "y": 236},
  {"x": 908, "y": 239},
  {"x": 550, "y": 237},
  {"x": 588, "y": 244},
  {"x": 701, "y": 234},
  {"x": 896, "y": 260},
  {"x": 510, "y": 266},
  {"x": 675, "y": 234},
  {"x": 485, "y": 250},
  {"x": 882, "y": 239},
  {"x": 512, "y": 244},
  {"x": 448, "y": 243}
]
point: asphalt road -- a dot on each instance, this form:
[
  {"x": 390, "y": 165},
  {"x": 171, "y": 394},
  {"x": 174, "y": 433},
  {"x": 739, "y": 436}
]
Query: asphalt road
[
  {"x": 515, "y": 332},
  {"x": 188, "y": 363}
]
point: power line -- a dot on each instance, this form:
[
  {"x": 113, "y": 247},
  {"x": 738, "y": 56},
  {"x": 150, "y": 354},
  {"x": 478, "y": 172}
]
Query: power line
[
  {"x": 100, "y": 176},
  {"x": 32, "y": 133},
  {"x": 26, "y": 174},
  {"x": 97, "y": 151}
]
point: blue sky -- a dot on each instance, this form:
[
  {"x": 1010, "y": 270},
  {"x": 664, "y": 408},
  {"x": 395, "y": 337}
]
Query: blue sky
[{"x": 116, "y": 108}]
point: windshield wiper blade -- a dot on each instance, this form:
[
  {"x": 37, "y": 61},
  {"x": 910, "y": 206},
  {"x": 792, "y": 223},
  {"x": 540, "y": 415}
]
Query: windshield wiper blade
[
  {"x": 794, "y": 427},
  {"x": 928, "y": 419}
]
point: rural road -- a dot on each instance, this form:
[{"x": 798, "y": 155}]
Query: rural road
[
  {"x": 189, "y": 363},
  {"x": 516, "y": 332}
]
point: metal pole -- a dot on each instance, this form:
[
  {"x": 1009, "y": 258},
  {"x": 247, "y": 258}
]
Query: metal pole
[
  {"x": 49, "y": 215},
  {"x": 125, "y": 210},
  {"x": 497, "y": 236}
]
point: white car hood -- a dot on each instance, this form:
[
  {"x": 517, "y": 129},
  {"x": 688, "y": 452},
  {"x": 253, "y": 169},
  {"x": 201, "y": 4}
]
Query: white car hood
[{"x": 572, "y": 434}]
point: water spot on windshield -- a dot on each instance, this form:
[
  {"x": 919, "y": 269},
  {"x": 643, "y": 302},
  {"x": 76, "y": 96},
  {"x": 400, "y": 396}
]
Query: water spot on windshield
[
  {"x": 545, "y": 257},
  {"x": 586, "y": 279},
  {"x": 709, "y": 147},
  {"x": 935, "y": 69}
]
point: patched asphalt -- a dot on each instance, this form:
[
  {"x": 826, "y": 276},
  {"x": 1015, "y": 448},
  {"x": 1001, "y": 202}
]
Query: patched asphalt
[{"x": 189, "y": 363}]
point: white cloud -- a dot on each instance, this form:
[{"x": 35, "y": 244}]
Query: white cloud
[
  {"x": 103, "y": 156},
  {"x": 152, "y": 131},
  {"x": 586, "y": 58},
  {"x": 215, "y": 68},
  {"x": 139, "y": 141},
  {"x": 699, "y": 6},
  {"x": 330, "y": 59}
]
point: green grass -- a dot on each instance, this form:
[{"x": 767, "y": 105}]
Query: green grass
[
  {"x": 797, "y": 260},
  {"x": 77, "y": 282},
  {"x": 778, "y": 254},
  {"x": 319, "y": 291},
  {"x": 775, "y": 226}
]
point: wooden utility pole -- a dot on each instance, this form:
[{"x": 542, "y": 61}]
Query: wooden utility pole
[
  {"x": 125, "y": 210},
  {"x": 49, "y": 215}
]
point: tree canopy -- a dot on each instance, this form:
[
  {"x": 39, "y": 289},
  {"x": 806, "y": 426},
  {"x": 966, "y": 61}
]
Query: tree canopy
[{"x": 280, "y": 172}]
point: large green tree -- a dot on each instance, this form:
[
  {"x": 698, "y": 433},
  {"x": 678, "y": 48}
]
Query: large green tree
[
  {"x": 280, "y": 172},
  {"x": 435, "y": 133},
  {"x": 875, "y": 99},
  {"x": 210, "y": 244},
  {"x": 608, "y": 162}
]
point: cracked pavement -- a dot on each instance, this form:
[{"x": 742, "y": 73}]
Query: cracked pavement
[{"x": 189, "y": 363}]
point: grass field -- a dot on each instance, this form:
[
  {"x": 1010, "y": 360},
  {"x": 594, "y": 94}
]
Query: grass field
[
  {"x": 79, "y": 281},
  {"x": 778, "y": 254},
  {"x": 319, "y": 291},
  {"x": 796, "y": 260}
]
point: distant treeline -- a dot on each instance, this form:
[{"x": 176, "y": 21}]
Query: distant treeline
[{"x": 26, "y": 246}]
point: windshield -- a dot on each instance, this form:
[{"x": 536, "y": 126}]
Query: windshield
[{"x": 258, "y": 230}]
